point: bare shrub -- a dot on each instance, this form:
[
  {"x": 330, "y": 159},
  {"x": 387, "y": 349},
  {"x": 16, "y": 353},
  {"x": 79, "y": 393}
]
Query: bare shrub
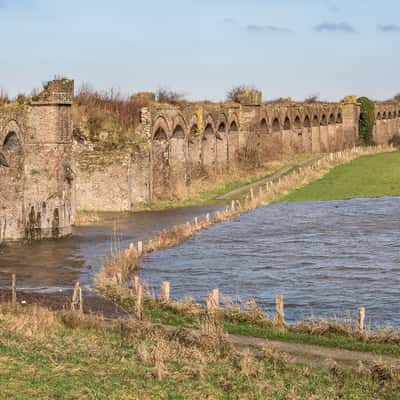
[
  {"x": 314, "y": 98},
  {"x": 235, "y": 93},
  {"x": 4, "y": 99},
  {"x": 96, "y": 103},
  {"x": 169, "y": 96}
]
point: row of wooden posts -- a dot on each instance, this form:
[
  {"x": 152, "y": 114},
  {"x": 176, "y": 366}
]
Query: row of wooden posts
[{"x": 212, "y": 301}]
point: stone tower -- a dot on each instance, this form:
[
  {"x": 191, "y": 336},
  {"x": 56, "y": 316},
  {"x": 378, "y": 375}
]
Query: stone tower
[{"x": 36, "y": 172}]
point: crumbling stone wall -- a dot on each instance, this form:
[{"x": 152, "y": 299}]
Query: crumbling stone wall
[
  {"x": 387, "y": 121},
  {"x": 36, "y": 171}
]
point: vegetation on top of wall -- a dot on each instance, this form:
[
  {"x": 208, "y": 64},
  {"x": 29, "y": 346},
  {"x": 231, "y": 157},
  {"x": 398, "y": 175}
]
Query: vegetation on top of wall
[
  {"x": 107, "y": 118},
  {"x": 235, "y": 93},
  {"x": 396, "y": 97},
  {"x": 367, "y": 120},
  {"x": 312, "y": 99},
  {"x": 169, "y": 96}
]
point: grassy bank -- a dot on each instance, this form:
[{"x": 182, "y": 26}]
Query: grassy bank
[
  {"x": 253, "y": 323},
  {"x": 45, "y": 355},
  {"x": 207, "y": 190},
  {"x": 368, "y": 176}
]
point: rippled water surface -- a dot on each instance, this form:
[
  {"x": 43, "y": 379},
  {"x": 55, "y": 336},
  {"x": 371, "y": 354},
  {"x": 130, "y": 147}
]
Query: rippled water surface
[
  {"x": 53, "y": 265},
  {"x": 327, "y": 258}
]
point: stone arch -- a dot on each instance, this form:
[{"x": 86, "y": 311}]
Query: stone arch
[
  {"x": 297, "y": 122},
  {"x": 307, "y": 134},
  {"x": 264, "y": 126},
  {"x": 178, "y": 132},
  {"x": 209, "y": 149},
  {"x": 287, "y": 125},
  {"x": 160, "y": 160},
  {"x": 390, "y": 115},
  {"x": 384, "y": 115},
  {"x": 324, "y": 134},
  {"x": 222, "y": 147},
  {"x": 339, "y": 118},
  {"x": 179, "y": 126},
  {"x": 332, "y": 119},
  {"x": 315, "y": 134},
  {"x": 276, "y": 126},
  {"x": 161, "y": 129},
  {"x": 379, "y": 116},
  {"x": 194, "y": 150},
  {"x": 10, "y": 151},
  {"x": 233, "y": 144},
  {"x": 178, "y": 161}
]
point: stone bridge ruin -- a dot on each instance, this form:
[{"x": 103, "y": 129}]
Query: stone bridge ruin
[{"x": 45, "y": 176}]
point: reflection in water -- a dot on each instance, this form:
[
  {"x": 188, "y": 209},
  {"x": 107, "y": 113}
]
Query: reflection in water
[
  {"x": 52, "y": 265},
  {"x": 327, "y": 258}
]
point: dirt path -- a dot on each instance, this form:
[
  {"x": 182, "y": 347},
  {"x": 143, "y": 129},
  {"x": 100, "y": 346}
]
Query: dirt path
[
  {"x": 314, "y": 356},
  {"x": 237, "y": 193}
]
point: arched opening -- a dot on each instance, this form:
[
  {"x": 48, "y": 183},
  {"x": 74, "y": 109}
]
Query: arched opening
[
  {"x": 222, "y": 148},
  {"x": 208, "y": 131},
  {"x": 332, "y": 119},
  {"x": 178, "y": 133},
  {"x": 384, "y": 115},
  {"x": 10, "y": 150},
  {"x": 297, "y": 122},
  {"x": 276, "y": 126},
  {"x": 233, "y": 145},
  {"x": 307, "y": 122},
  {"x": 221, "y": 130},
  {"x": 315, "y": 121},
  {"x": 208, "y": 150},
  {"x": 339, "y": 119},
  {"x": 160, "y": 134},
  {"x": 390, "y": 115},
  {"x": 324, "y": 121},
  {"x": 160, "y": 165},
  {"x": 287, "y": 125},
  {"x": 194, "y": 162},
  {"x": 379, "y": 116},
  {"x": 263, "y": 126},
  {"x": 177, "y": 161}
]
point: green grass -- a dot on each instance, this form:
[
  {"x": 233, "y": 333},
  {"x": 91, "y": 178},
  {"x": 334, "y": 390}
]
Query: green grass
[
  {"x": 368, "y": 176},
  {"x": 166, "y": 315},
  {"x": 212, "y": 193},
  {"x": 88, "y": 360}
]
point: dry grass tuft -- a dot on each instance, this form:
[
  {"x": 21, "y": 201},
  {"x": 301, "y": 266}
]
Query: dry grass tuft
[{"x": 30, "y": 321}]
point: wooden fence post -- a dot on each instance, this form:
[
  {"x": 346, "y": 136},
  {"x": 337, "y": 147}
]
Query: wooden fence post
[
  {"x": 165, "y": 292},
  {"x": 361, "y": 319},
  {"x": 139, "y": 303},
  {"x": 14, "y": 290},
  {"x": 280, "y": 309},
  {"x": 214, "y": 298},
  {"x": 135, "y": 285},
  {"x": 140, "y": 248},
  {"x": 77, "y": 298}
]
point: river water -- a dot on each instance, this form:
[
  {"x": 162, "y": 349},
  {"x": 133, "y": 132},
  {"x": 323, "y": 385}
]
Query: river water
[
  {"x": 327, "y": 258},
  {"x": 55, "y": 265}
]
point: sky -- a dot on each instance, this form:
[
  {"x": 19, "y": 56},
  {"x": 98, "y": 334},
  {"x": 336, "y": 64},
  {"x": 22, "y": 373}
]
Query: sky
[{"x": 202, "y": 48}]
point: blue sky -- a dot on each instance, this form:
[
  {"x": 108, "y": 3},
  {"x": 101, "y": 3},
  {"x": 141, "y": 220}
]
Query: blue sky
[{"x": 202, "y": 48}]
